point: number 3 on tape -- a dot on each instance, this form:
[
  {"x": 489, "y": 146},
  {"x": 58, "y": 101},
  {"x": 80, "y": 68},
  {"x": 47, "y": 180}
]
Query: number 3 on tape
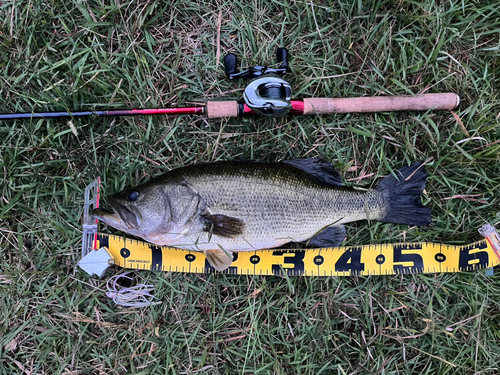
[{"x": 289, "y": 262}]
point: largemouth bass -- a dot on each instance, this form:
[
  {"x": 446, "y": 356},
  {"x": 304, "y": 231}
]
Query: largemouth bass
[{"x": 219, "y": 208}]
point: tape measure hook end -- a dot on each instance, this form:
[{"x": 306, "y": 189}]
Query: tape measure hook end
[
  {"x": 89, "y": 222},
  {"x": 489, "y": 232}
]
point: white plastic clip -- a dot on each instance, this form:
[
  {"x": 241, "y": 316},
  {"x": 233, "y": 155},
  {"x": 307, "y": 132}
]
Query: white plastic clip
[{"x": 96, "y": 262}]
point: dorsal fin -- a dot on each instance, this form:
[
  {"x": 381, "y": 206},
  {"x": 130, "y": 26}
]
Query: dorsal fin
[{"x": 319, "y": 170}]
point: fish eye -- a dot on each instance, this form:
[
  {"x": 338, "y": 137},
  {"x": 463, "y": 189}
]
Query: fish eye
[{"x": 133, "y": 195}]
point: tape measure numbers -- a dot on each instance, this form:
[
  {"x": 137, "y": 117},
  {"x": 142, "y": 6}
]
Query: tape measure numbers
[{"x": 389, "y": 259}]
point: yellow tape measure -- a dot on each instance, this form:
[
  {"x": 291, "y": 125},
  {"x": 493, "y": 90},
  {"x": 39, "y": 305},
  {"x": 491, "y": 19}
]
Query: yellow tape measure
[{"x": 390, "y": 259}]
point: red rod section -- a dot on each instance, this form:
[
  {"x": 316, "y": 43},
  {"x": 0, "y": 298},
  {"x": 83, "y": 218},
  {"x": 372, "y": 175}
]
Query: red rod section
[
  {"x": 121, "y": 112},
  {"x": 157, "y": 111},
  {"x": 297, "y": 108}
]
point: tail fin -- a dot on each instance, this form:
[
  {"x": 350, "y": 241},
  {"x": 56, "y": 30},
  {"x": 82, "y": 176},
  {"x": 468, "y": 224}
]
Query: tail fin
[{"x": 403, "y": 195}]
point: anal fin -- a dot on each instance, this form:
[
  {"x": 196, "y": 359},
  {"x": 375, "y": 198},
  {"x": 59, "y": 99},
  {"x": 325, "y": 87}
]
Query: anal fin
[
  {"x": 219, "y": 259},
  {"x": 328, "y": 237}
]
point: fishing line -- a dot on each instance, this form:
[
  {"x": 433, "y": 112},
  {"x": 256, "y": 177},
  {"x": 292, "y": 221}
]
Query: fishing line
[{"x": 135, "y": 296}]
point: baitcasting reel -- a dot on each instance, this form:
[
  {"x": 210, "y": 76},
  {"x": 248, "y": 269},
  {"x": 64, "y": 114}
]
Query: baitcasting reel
[{"x": 267, "y": 94}]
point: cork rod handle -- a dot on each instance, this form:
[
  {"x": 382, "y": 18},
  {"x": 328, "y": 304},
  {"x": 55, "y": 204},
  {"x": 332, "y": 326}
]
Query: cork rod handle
[
  {"x": 219, "y": 109},
  {"x": 424, "y": 102}
]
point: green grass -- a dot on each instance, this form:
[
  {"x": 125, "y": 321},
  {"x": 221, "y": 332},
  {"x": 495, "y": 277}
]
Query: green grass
[{"x": 56, "y": 55}]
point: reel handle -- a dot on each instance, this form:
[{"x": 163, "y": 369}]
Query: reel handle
[
  {"x": 282, "y": 57},
  {"x": 232, "y": 71},
  {"x": 230, "y": 65}
]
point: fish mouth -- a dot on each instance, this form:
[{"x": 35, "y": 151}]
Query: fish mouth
[{"x": 119, "y": 217}]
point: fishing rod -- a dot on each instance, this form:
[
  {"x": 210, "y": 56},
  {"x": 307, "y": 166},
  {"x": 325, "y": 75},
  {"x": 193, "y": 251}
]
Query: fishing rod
[{"x": 269, "y": 95}]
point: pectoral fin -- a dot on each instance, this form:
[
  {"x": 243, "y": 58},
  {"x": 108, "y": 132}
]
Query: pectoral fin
[
  {"x": 328, "y": 237},
  {"x": 219, "y": 259},
  {"x": 222, "y": 225}
]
